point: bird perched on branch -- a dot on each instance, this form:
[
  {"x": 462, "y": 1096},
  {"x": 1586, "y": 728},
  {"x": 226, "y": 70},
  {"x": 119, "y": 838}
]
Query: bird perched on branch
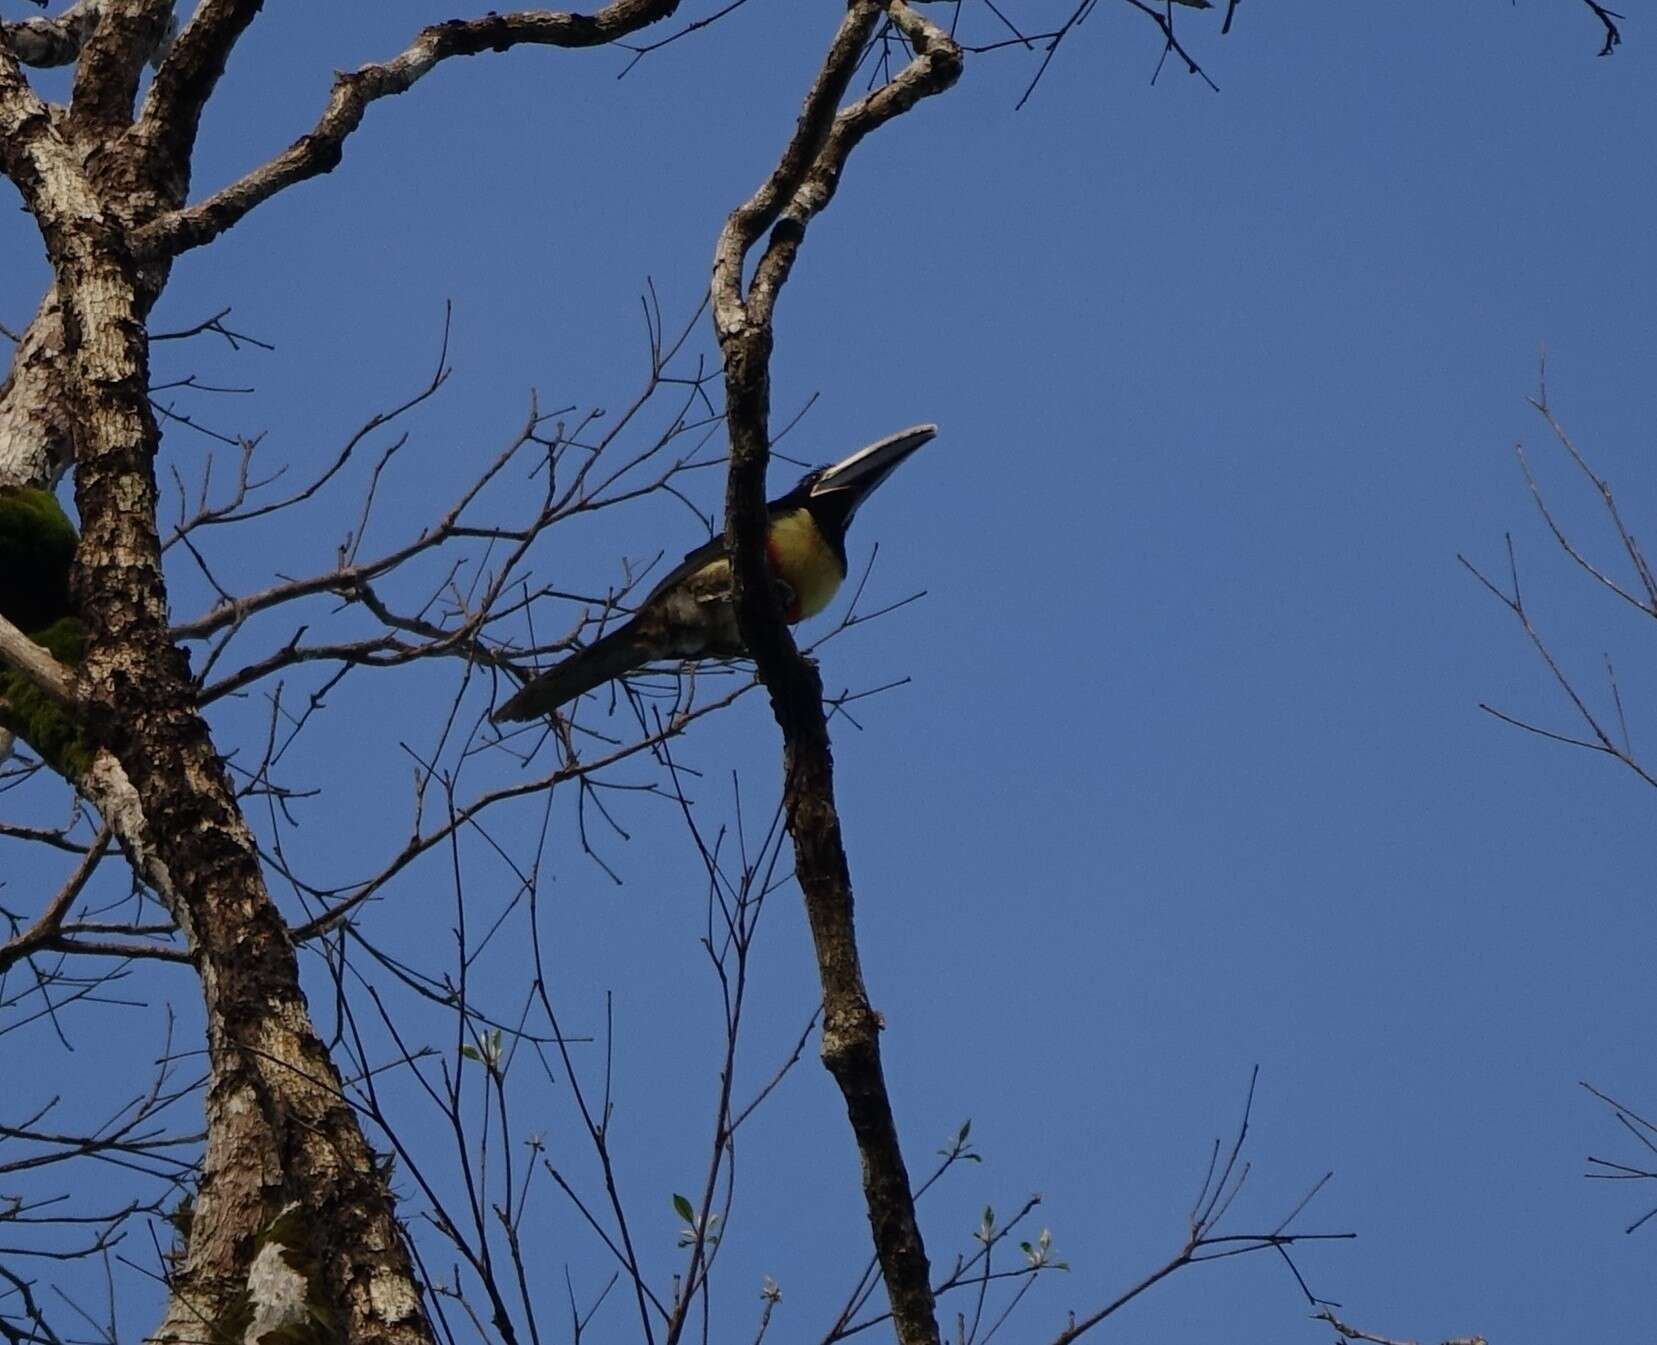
[
  {"x": 689, "y": 615},
  {"x": 37, "y": 549}
]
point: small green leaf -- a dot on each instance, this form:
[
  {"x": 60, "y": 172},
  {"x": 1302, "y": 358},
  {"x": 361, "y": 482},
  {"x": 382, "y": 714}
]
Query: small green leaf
[
  {"x": 684, "y": 1209},
  {"x": 472, "y": 1053},
  {"x": 1038, "y": 1255},
  {"x": 959, "y": 1147}
]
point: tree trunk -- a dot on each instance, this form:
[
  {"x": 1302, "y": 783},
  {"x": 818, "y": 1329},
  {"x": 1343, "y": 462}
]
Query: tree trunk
[{"x": 293, "y": 1227}]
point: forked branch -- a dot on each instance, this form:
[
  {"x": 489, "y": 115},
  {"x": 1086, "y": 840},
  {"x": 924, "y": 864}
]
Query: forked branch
[
  {"x": 55, "y": 40},
  {"x": 1607, "y": 17},
  {"x": 800, "y": 187},
  {"x": 320, "y": 149},
  {"x": 1605, "y": 731}
]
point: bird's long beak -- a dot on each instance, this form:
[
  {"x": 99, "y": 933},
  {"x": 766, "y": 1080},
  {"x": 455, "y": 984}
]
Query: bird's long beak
[{"x": 853, "y": 479}]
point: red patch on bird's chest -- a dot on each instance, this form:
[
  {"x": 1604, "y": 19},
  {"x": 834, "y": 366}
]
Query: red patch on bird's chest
[{"x": 790, "y": 594}]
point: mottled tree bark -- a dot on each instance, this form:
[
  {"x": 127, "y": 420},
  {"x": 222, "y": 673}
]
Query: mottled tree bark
[
  {"x": 293, "y": 1227},
  {"x": 280, "y": 1134}
]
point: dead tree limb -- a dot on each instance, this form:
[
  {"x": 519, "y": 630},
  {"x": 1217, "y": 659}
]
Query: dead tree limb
[{"x": 801, "y": 185}]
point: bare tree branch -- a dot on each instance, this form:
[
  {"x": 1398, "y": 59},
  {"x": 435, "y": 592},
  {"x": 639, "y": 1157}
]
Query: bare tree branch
[
  {"x": 1352, "y": 1333},
  {"x": 112, "y": 58},
  {"x": 801, "y": 185},
  {"x": 188, "y": 75},
  {"x": 1222, "y": 1183},
  {"x": 1608, "y": 501},
  {"x": 22, "y": 653},
  {"x": 1644, "y": 1132},
  {"x": 1613, "y": 35},
  {"x": 320, "y": 150},
  {"x": 1641, "y": 594},
  {"x": 52, "y": 41},
  {"x": 50, "y": 922}
]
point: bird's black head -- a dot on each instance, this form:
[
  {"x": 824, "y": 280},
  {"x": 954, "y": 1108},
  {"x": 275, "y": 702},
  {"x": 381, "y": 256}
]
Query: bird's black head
[{"x": 833, "y": 493}]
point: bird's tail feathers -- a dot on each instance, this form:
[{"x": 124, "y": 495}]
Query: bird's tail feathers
[{"x": 614, "y": 654}]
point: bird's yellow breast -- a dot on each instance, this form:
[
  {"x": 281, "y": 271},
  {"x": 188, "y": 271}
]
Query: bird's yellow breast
[{"x": 803, "y": 559}]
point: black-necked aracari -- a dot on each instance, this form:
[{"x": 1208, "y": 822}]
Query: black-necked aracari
[{"x": 689, "y": 614}]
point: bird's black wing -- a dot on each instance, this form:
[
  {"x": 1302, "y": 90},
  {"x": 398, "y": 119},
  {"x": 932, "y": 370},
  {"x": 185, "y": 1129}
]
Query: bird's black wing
[{"x": 711, "y": 550}]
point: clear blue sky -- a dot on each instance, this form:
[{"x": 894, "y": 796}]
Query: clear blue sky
[{"x": 1191, "y": 774}]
